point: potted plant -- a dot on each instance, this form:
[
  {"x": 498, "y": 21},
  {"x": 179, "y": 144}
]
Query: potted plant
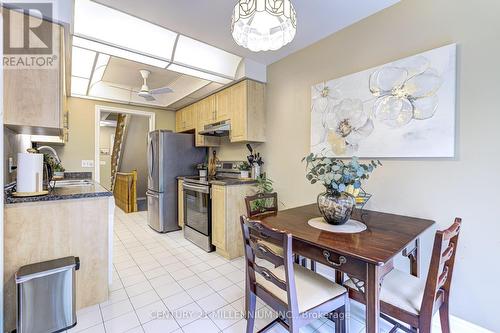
[
  {"x": 244, "y": 168},
  {"x": 342, "y": 182},
  {"x": 202, "y": 169},
  {"x": 264, "y": 185},
  {"x": 59, "y": 170}
]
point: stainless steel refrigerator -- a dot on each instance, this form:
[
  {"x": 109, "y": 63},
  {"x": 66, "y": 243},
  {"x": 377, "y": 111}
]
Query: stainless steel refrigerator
[{"x": 169, "y": 155}]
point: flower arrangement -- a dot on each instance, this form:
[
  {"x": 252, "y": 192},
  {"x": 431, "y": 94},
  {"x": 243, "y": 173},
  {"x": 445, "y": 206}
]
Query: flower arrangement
[{"x": 336, "y": 175}]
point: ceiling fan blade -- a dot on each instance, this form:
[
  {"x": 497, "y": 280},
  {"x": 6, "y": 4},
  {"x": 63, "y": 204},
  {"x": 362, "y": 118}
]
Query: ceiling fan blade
[
  {"x": 163, "y": 90},
  {"x": 149, "y": 98}
]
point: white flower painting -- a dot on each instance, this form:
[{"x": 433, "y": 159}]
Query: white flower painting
[{"x": 402, "y": 109}]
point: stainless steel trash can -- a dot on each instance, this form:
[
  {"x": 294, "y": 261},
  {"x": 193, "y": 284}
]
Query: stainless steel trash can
[{"x": 46, "y": 296}]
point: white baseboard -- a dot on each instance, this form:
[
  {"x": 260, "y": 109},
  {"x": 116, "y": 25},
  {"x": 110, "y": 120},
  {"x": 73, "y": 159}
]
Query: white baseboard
[{"x": 458, "y": 325}]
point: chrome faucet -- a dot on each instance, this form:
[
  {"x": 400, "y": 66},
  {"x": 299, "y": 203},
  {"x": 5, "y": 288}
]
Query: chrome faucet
[{"x": 52, "y": 151}]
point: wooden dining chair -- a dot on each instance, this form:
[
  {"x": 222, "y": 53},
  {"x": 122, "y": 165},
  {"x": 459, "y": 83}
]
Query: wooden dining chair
[
  {"x": 296, "y": 293},
  {"x": 414, "y": 301},
  {"x": 265, "y": 204},
  {"x": 261, "y": 205}
]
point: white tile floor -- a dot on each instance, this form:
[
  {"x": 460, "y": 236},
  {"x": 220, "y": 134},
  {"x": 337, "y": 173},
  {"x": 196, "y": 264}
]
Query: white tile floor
[{"x": 163, "y": 283}]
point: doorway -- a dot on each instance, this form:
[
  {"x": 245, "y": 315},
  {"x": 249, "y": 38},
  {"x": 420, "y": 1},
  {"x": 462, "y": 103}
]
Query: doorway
[{"x": 131, "y": 144}]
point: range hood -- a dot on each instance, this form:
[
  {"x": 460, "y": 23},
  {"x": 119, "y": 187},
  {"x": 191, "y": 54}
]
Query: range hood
[{"x": 218, "y": 129}]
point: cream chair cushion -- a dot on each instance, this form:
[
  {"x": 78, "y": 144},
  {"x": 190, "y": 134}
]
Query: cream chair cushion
[
  {"x": 401, "y": 290},
  {"x": 312, "y": 288}
]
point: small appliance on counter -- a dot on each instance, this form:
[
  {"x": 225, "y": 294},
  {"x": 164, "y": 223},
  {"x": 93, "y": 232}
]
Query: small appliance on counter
[
  {"x": 30, "y": 175},
  {"x": 198, "y": 203},
  {"x": 169, "y": 155}
]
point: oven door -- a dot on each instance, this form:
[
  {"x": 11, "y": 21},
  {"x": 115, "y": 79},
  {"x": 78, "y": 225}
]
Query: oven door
[{"x": 197, "y": 212}]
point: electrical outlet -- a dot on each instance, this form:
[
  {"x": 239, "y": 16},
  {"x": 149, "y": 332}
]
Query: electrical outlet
[{"x": 87, "y": 163}]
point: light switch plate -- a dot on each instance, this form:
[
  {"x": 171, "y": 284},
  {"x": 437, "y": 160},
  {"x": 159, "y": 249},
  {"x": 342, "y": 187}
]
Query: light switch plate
[{"x": 87, "y": 163}]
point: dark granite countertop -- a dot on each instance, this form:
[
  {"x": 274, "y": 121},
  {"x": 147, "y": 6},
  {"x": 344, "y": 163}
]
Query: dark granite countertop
[
  {"x": 228, "y": 181},
  {"x": 231, "y": 182},
  {"x": 92, "y": 190}
]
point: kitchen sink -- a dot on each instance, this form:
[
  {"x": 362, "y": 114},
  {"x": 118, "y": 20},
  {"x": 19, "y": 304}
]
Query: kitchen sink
[{"x": 74, "y": 183}]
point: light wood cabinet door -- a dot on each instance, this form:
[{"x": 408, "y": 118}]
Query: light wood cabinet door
[
  {"x": 205, "y": 110},
  {"x": 238, "y": 106},
  {"x": 223, "y": 105},
  {"x": 185, "y": 119},
  {"x": 209, "y": 107},
  {"x": 180, "y": 203},
  {"x": 179, "y": 122},
  {"x": 248, "y": 119},
  {"x": 189, "y": 118},
  {"x": 219, "y": 217},
  {"x": 33, "y": 97}
]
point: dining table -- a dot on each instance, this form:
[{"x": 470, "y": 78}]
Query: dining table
[{"x": 365, "y": 256}]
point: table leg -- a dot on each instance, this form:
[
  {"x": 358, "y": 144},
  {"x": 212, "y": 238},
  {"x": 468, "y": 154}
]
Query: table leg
[
  {"x": 372, "y": 290},
  {"x": 413, "y": 255}
]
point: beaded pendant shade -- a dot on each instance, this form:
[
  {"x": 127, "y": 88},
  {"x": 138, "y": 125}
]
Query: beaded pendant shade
[{"x": 263, "y": 25}]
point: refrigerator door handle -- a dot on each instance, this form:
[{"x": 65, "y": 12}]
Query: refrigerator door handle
[
  {"x": 152, "y": 194},
  {"x": 151, "y": 157}
]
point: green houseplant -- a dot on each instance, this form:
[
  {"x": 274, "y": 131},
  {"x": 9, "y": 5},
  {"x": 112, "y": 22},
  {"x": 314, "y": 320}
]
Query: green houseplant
[
  {"x": 244, "y": 168},
  {"x": 264, "y": 185},
  {"x": 342, "y": 181}
]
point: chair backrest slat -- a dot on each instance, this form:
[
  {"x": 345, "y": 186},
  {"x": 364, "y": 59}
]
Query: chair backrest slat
[
  {"x": 262, "y": 204},
  {"x": 269, "y": 276},
  {"x": 263, "y": 251},
  {"x": 447, "y": 253},
  {"x": 441, "y": 266}
]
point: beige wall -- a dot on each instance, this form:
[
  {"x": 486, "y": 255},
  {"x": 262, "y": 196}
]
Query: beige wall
[
  {"x": 80, "y": 145},
  {"x": 440, "y": 189},
  {"x": 135, "y": 152},
  {"x": 105, "y": 133}
]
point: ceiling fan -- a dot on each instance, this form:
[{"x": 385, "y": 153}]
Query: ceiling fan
[{"x": 148, "y": 94}]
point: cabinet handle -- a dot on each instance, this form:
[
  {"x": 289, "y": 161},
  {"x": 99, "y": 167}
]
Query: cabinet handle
[{"x": 342, "y": 259}]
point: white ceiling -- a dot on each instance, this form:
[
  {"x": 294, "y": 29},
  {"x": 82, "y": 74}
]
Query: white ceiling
[
  {"x": 209, "y": 20},
  {"x": 121, "y": 81}
]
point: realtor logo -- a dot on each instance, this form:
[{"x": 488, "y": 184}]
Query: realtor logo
[
  {"x": 28, "y": 35},
  {"x": 26, "y": 28}
]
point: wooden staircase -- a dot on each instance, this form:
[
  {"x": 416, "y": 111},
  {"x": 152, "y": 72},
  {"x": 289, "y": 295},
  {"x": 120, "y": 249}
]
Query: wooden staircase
[{"x": 119, "y": 144}]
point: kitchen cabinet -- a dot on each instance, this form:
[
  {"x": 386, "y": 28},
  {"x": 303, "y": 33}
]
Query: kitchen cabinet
[
  {"x": 223, "y": 105},
  {"x": 185, "y": 119},
  {"x": 205, "y": 111},
  {"x": 228, "y": 204},
  {"x": 34, "y": 96},
  {"x": 247, "y": 107},
  {"x": 243, "y": 104},
  {"x": 180, "y": 203},
  {"x": 77, "y": 227}
]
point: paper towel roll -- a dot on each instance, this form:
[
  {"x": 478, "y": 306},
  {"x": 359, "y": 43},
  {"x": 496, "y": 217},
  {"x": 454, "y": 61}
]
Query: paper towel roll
[{"x": 29, "y": 172}]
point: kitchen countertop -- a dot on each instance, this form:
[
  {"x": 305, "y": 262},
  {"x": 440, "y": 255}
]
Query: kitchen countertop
[
  {"x": 228, "y": 181},
  {"x": 63, "y": 193}
]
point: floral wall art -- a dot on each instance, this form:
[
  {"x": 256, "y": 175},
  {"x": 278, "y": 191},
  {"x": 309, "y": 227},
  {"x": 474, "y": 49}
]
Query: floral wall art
[{"x": 402, "y": 109}]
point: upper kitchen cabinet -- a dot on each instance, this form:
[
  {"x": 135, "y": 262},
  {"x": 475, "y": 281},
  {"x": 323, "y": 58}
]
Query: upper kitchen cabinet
[
  {"x": 205, "y": 111},
  {"x": 185, "y": 119},
  {"x": 223, "y": 105},
  {"x": 242, "y": 104},
  {"x": 247, "y": 107},
  {"x": 34, "y": 95}
]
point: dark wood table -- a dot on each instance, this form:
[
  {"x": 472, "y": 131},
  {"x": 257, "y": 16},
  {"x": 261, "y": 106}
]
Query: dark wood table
[{"x": 367, "y": 256}]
